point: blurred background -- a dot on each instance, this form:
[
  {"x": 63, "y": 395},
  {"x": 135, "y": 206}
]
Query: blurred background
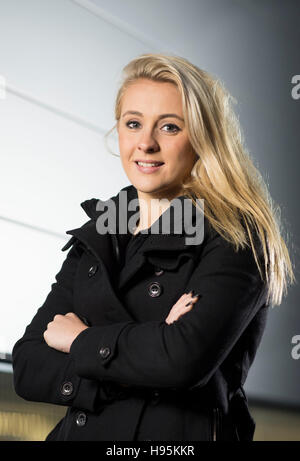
[{"x": 60, "y": 67}]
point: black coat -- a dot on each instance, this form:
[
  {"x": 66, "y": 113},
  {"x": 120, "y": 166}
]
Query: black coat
[{"x": 131, "y": 376}]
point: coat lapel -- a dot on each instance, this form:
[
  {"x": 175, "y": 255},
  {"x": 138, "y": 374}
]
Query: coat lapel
[
  {"x": 99, "y": 245},
  {"x": 161, "y": 250}
]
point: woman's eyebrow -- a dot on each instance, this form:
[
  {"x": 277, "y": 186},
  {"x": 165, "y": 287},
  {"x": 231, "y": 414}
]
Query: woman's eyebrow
[{"x": 135, "y": 112}]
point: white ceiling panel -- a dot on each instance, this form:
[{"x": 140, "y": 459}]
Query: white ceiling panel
[
  {"x": 64, "y": 56},
  {"x": 32, "y": 259},
  {"x": 49, "y": 165}
]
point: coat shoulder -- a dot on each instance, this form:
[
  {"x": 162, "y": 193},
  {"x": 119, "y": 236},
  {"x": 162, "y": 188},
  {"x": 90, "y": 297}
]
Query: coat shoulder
[
  {"x": 90, "y": 208},
  {"x": 74, "y": 240}
]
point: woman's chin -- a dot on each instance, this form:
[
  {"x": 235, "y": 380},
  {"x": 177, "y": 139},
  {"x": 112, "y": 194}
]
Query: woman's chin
[{"x": 148, "y": 185}]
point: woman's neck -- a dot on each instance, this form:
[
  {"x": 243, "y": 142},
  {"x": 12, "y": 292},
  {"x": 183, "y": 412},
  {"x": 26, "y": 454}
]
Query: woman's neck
[{"x": 151, "y": 208}]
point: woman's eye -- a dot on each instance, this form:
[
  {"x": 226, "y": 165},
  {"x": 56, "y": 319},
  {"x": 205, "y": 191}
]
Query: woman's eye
[
  {"x": 174, "y": 127},
  {"x": 129, "y": 123}
]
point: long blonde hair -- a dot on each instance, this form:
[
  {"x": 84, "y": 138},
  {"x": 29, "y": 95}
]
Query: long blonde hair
[{"x": 224, "y": 174}]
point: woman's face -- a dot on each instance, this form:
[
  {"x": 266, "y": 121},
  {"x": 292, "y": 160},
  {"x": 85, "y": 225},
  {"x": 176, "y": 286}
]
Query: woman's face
[{"x": 150, "y": 135}]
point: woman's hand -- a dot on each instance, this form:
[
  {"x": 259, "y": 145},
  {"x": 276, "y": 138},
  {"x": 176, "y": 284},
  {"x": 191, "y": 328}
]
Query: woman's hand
[
  {"x": 62, "y": 331},
  {"x": 180, "y": 308}
]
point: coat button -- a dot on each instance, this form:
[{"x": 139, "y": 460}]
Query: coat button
[
  {"x": 155, "y": 397},
  {"x": 104, "y": 352},
  {"x": 93, "y": 270},
  {"x": 154, "y": 289},
  {"x": 81, "y": 419},
  {"x": 67, "y": 388},
  {"x": 158, "y": 271}
]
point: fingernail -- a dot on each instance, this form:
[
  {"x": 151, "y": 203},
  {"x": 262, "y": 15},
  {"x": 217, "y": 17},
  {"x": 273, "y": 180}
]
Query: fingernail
[{"x": 197, "y": 294}]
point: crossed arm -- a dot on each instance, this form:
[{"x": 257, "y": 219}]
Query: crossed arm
[
  {"x": 58, "y": 347},
  {"x": 64, "y": 329}
]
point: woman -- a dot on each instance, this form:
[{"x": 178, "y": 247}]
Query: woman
[{"x": 147, "y": 335}]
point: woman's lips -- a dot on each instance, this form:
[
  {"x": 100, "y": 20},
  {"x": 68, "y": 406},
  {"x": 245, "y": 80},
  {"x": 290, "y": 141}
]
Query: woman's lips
[{"x": 148, "y": 169}]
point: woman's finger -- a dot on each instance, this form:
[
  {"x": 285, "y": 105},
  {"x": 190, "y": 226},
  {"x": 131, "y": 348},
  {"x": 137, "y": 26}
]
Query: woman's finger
[
  {"x": 194, "y": 299},
  {"x": 181, "y": 307}
]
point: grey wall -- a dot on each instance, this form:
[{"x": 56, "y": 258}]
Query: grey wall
[{"x": 61, "y": 61}]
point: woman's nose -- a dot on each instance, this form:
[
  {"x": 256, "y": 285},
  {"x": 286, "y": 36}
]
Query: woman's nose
[{"x": 148, "y": 143}]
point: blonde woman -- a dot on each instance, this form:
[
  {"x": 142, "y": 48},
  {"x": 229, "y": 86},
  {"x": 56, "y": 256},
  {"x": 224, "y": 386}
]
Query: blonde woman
[{"x": 149, "y": 334}]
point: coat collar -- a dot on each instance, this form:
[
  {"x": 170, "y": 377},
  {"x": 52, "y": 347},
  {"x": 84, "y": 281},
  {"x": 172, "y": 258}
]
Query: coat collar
[{"x": 162, "y": 250}]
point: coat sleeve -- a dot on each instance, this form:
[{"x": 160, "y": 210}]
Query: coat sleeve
[
  {"x": 39, "y": 371},
  {"x": 187, "y": 352}
]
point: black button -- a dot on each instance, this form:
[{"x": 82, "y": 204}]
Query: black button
[
  {"x": 154, "y": 289},
  {"x": 81, "y": 419},
  {"x": 93, "y": 270},
  {"x": 104, "y": 352},
  {"x": 67, "y": 388},
  {"x": 158, "y": 271}
]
